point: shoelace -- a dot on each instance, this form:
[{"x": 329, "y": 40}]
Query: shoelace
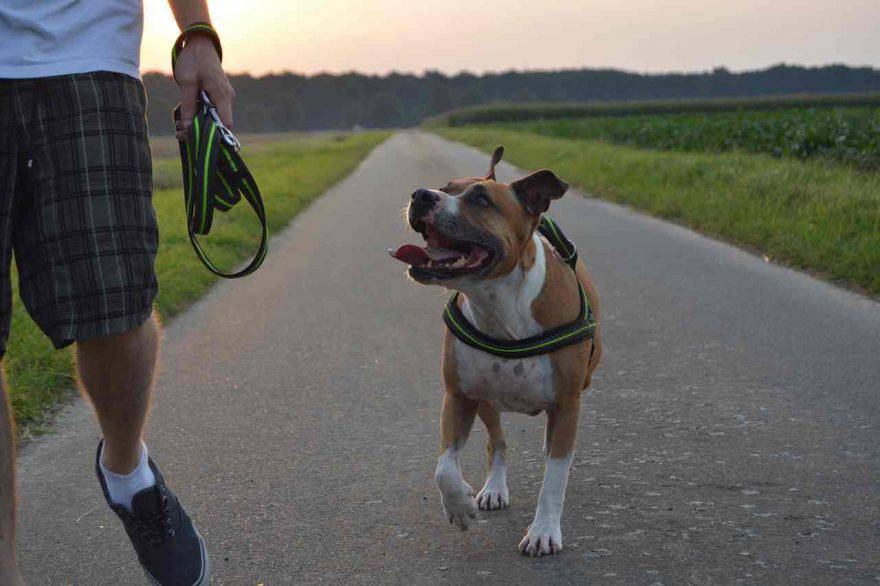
[{"x": 154, "y": 528}]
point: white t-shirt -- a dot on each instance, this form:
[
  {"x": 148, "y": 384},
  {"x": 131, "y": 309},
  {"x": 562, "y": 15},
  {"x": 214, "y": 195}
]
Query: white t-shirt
[{"x": 41, "y": 38}]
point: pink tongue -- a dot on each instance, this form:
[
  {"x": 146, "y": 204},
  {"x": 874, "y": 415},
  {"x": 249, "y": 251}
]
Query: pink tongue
[{"x": 410, "y": 254}]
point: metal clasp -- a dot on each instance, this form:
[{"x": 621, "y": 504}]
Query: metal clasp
[{"x": 227, "y": 135}]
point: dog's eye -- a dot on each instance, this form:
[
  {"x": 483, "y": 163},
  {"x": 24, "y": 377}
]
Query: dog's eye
[{"x": 480, "y": 199}]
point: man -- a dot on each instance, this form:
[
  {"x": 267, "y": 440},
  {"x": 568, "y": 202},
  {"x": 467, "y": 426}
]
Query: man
[{"x": 75, "y": 207}]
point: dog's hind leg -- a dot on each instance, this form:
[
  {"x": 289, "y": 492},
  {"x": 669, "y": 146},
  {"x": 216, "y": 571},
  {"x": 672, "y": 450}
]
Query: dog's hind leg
[
  {"x": 494, "y": 493},
  {"x": 457, "y": 495}
]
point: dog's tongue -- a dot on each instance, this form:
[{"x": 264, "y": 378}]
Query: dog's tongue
[{"x": 410, "y": 254}]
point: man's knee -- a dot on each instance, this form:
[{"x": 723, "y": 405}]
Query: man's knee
[
  {"x": 119, "y": 363},
  {"x": 143, "y": 336}
]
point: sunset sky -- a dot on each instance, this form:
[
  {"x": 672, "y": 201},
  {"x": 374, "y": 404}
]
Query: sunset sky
[{"x": 378, "y": 36}]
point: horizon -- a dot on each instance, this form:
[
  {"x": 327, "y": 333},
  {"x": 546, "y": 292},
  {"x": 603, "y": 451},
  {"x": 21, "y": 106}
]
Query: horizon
[
  {"x": 645, "y": 37},
  {"x": 426, "y": 72}
]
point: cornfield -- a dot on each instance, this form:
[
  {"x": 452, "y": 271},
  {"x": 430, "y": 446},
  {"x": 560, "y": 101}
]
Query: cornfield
[
  {"x": 843, "y": 128},
  {"x": 846, "y": 135}
]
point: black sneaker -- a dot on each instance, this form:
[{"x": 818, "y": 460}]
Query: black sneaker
[{"x": 170, "y": 549}]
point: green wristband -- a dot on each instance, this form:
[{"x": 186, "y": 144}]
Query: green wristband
[{"x": 195, "y": 28}]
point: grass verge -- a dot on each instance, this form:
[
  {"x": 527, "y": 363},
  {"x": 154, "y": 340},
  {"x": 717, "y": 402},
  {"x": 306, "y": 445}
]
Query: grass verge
[
  {"x": 811, "y": 215},
  {"x": 291, "y": 170}
]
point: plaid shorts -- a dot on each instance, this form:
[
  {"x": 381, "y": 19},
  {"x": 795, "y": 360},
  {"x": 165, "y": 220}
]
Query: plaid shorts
[{"x": 76, "y": 204}]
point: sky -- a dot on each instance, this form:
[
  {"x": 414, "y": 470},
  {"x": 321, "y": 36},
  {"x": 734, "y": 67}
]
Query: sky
[{"x": 412, "y": 36}]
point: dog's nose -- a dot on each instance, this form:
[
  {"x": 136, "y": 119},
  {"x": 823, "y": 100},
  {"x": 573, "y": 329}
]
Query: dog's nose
[{"x": 424, "y": 198}]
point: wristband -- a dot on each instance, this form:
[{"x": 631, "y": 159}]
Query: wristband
[{"x": 195, "y": 28}]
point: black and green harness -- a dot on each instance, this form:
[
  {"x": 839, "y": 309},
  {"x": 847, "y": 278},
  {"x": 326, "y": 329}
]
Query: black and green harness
[
  {"x": 215, "y": 178},
  {"x": 581, "y": 328}
]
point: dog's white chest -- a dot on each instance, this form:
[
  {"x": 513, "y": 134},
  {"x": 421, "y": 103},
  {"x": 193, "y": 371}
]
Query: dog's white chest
[{"x": 521, "y": 385}]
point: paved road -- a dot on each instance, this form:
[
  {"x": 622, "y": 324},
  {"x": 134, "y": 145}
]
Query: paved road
[{"x": 732, "y": 435}]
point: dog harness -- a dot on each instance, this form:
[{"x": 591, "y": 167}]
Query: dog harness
[
  {"x": 581, "y": 328},
  {"x": 214, "y": 175}
]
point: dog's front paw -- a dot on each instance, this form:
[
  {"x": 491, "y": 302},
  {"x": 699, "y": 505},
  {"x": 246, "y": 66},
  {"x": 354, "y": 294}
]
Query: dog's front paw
[
  {"x": 459, "y": 506},
  {"x": 493, "y": 496},
  {"x": 542, "y": 538}
]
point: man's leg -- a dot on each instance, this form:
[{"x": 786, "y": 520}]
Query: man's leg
[
  {"x": 12, "y": 162},
  {"x": 116, "y": 373},
  {"x": 85, "y": 247},
  {"x": 8, "y": 566}
]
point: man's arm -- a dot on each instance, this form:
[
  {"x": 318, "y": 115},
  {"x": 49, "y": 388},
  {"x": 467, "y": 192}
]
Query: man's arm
[{"x": 198, "y": 67}]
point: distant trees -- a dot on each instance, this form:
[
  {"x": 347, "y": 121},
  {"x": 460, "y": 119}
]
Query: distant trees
[{"x": 289, "y": 102}]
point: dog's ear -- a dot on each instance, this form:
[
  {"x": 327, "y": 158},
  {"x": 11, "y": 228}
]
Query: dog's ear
[
  {"x": 536, "y": 191},
  {"x": 496, "y": 158}
]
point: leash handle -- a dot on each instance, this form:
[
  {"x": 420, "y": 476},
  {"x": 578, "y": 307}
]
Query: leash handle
[
  {"x": 215, "y": 177},
  {"x": 202, "y": 28},
  {"x": 253, "y": 197}
]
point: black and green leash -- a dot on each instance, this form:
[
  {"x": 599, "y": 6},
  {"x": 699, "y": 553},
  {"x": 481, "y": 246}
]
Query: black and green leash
[
  {"x": 581, "y": 328},
  {"x": 214, "y": 175}
]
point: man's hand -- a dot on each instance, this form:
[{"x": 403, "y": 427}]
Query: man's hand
[{"x": 198, "y": 68}]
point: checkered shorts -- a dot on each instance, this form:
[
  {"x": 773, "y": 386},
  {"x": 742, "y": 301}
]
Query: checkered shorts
[{"x": 75, "y": 204}]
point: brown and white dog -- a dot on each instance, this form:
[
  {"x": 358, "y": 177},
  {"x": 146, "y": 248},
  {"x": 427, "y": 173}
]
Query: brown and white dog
[{"x": 482, "y": 242}]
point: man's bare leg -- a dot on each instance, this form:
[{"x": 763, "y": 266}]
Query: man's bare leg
[
  {"x": 116, "y": 372},
  {"x": 8, "y": 566}
]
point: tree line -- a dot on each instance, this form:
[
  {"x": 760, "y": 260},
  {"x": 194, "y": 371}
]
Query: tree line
[{"x": 291, "y": 102}]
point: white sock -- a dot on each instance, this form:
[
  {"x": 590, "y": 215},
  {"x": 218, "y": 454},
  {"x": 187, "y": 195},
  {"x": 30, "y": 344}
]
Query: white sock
[{"x": 123, "y": 487}]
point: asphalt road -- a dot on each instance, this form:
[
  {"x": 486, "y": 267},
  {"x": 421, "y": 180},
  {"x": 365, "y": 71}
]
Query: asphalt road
[{"x": 731, "y": 436}]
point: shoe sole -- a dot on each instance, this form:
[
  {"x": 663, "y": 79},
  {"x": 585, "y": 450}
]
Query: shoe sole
[{"x": 204, "y": 579}]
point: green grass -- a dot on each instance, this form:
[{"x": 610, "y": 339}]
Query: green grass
[
  {"x": 812, "y": 215},
  {"x": 846, "y": 135},
  {"x": 292, "y": 170}
]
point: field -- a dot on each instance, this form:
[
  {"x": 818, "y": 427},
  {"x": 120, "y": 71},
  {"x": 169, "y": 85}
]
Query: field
[
  {"x": 545, "y": 111},
  {"x": 842, "y": 128},
  {"x": 848, "y": 135},
  {"x": 291, "y": 170},
  {"x": 816, "y": 215}
]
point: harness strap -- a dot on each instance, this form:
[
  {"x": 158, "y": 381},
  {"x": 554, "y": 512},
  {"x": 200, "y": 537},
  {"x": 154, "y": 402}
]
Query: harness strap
[
  {"x": 565, "y": 247},
  {"x": 581, "y": 328}
]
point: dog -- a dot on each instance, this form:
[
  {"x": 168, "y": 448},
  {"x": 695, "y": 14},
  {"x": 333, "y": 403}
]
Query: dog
[{"x": 482, "y": 242}]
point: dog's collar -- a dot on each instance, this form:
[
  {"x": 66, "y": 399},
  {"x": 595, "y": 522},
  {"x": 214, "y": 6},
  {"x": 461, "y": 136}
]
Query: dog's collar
[{"x": 581, "y": 328}]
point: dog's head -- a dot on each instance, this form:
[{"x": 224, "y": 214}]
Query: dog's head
[{"x": 475, "y": 228}]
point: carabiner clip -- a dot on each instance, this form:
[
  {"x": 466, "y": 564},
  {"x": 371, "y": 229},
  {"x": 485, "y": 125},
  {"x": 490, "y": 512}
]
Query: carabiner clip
[{"x": 227, "y": 135}]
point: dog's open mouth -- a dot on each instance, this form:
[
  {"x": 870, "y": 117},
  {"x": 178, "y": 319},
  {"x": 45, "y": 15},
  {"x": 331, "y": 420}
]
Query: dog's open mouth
[{"x": 443, "y": 257}]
